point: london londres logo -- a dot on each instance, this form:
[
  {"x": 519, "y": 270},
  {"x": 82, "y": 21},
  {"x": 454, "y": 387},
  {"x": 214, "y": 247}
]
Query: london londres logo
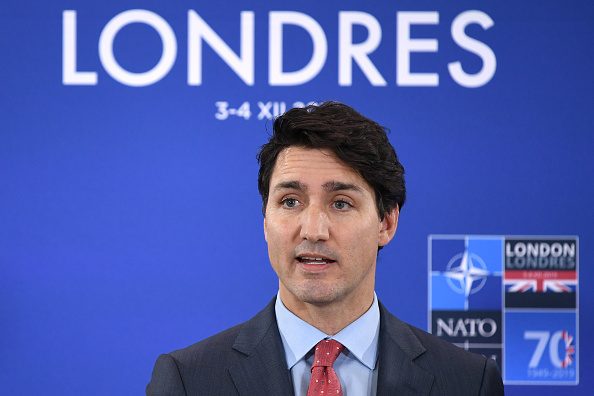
[
  {"x": 540, "y": 273},
  {"x": 513, "y": 299}
]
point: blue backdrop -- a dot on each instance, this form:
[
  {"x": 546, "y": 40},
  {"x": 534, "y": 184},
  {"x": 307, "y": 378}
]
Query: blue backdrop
[{"x": 130, "y": 222}]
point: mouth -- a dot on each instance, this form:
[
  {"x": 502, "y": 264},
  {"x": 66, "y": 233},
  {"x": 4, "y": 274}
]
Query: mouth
[{"x": 315, "y": 260}]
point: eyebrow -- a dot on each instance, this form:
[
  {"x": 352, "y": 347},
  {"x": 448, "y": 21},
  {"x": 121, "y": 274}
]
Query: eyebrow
[
  {"x": 292, "y": 185},
  {"x": 339, "y": 186},
  {"x": 330, "y": 186}
]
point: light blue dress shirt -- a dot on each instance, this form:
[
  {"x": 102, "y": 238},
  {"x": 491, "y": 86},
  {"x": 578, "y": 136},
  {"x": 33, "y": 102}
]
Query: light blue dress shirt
[{"x": 356, "y": 366}]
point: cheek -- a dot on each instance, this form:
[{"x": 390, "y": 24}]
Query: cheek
[
  {"x": 274, "y": 236},
  {"x": 278, "y": 227},
  {"x": 366, "y": 241},
  {"x": 366, "y": 231}
]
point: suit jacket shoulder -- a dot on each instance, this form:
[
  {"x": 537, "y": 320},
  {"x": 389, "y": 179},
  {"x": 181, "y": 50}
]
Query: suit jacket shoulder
[
  {"x": 247, "y": 359},
  {"x": 412, "y": 361}
]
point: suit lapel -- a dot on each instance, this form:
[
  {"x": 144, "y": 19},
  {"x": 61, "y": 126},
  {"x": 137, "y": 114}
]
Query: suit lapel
[
  {"x": 398, "y": 347},
  {"x": 264, "y": 370}
]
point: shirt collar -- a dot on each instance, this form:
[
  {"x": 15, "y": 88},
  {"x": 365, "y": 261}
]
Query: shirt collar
[{"x": 299, "y": 337}]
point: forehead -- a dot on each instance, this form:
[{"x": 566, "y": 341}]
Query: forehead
[{"x": 313, "y": 167}]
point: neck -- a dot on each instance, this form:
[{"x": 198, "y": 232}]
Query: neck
[{"x": 328, "y": 317}]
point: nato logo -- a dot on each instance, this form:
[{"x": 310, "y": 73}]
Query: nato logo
[{"x": 465, "y": 272}]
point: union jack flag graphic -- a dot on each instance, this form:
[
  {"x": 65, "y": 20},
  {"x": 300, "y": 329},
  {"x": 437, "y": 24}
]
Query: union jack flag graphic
[
  {"x": 569, "y": 350},
  {"x": 521, "y": 281}
]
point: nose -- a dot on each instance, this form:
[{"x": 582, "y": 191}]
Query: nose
[{"x": 314, "y": 224}]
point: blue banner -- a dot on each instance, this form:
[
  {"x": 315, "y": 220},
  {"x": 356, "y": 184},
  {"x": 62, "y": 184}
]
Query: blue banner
[{"x": 130, "y": 220}]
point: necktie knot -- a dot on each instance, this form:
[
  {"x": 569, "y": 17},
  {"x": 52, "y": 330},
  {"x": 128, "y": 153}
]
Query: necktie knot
[
  {"x": 326, "y": 352},
  {"x": 324, "y": 380}
]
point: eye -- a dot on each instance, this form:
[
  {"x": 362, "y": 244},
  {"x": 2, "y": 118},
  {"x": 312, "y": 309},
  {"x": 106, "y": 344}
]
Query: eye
[
  {"x": 290, "y": 202},
  {"x": 341, "y": 205}
]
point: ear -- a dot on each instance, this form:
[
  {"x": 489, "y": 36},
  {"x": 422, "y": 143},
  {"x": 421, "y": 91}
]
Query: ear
[
  {"x": 265, "y": 230},
  {"x": 388, "y": 226}
]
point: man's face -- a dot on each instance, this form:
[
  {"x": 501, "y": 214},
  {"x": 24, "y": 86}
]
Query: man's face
[{"x": 323, "y": 229}]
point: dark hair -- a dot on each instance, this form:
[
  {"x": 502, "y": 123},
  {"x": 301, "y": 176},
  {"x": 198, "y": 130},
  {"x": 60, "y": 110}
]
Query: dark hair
[{"x": 357, "y": 141}]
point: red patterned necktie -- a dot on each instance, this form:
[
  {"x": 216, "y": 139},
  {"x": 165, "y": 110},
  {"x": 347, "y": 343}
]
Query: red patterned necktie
[{"x": 324, "y": 380}]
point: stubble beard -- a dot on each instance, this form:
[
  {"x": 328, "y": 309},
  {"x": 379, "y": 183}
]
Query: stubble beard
[{"x": 311, "y": 292}]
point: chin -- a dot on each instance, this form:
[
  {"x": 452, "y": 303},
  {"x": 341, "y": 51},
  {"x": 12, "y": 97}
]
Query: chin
[{"x": 318, "y": 295}]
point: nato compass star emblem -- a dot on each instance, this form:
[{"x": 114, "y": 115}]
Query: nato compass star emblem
[{"x": 466, "y": 274}]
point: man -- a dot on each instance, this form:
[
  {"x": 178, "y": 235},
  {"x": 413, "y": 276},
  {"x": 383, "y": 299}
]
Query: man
[{"x": 332, "y": 189}]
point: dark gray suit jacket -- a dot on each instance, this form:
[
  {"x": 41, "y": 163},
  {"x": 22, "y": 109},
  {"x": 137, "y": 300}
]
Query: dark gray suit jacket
[{"x": 249, "y": 359}]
